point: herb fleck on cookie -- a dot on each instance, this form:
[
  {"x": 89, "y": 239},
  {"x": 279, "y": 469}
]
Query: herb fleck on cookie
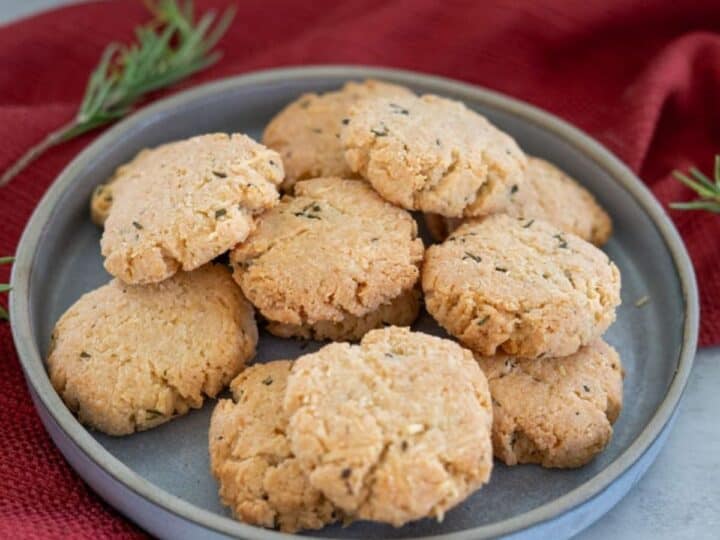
[
  {"x": 310, "y": 211},
  {"x": 561, "y": 239},
  {"x": 381, "y": 131},
  {"x": 397, "y": 109}
]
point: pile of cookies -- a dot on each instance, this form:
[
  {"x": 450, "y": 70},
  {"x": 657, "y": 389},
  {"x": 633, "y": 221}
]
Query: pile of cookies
[{"x": 383, "y": 423}]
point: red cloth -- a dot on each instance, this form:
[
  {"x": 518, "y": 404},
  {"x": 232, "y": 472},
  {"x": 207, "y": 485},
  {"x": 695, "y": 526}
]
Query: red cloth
[{"x": 642, "y": 76}]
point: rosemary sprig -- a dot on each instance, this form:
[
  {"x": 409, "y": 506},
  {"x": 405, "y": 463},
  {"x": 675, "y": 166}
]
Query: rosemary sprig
[
  {"x": 170, "y": 48},
  {"x": 708, "y": 190},
  {"x": 5, "y": 287}
]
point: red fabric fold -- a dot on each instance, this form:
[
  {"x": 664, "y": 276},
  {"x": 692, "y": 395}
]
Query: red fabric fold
[{"x": 642, "y": 76}]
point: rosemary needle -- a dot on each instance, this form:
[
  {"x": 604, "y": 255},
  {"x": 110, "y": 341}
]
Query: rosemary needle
[
  {"x": 708, "y": 190},
  {"x": 170, "y": 48},
  {"x": 5, "y": 287}
]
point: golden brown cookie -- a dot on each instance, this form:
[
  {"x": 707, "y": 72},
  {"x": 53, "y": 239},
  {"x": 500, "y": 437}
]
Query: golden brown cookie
[
  {"x": 394, "y": 429},
  {"x": 550, "y": 195},
  {"x": 521, "y": 287},
  {"x": 250, "y": 456},
  {"x": 433, "y": 154},
  {"x": 182, "y": 204},
  {"x": 331, "y": 262},
  {"x": 307, "y": 132},
  {"x": 556, "y": 412},
  {"x": 126, "y": 358}
]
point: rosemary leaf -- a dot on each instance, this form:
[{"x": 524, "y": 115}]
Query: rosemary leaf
[
  {"x": 169, "y": 48},
  {"x": 707, "y": 189},
  {"x": 701, "y": 189},
  {"x": 4, "y": 287},
  {"x": 700, "y": 177},
  {"x": 712, "y": 206}
]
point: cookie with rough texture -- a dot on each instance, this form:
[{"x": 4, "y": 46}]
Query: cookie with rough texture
[
  {"x": 394, "y": 429},
  {"x": 126, "y": 358},
  {"x": 307, "y": 132},
  {"x": 551, "y": 195},
  {"x": 250, "y": 456},
  {"x": 522, "y": 287},
  {"x": 557, "y": 412},
  {"x": 433, "y": 154},
  {"x": 331, "y": 262},
  {"x": 182, "y": 204}
]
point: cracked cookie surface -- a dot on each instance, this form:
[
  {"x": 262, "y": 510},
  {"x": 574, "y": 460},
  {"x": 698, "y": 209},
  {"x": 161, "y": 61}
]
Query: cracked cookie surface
[
  {"x": 550, "y": 195},
  {"x": 182, "y": 204},
  {"x": 556, "y": 412},
  {"x": 250, "y": 456},
  {"x": 126, "y": 358},
  {"x": 521, "y": 287},
  {"x": 306, "y": 133},
  {"x": 331, "y": 262},
  {"x": 432, "y": 154},
  {"x": 394, "y": 429}
]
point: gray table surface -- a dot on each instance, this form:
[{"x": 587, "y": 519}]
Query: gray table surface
[{"x": 679, "y": 497}]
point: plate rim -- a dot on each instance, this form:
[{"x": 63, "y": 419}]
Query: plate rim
[{"x": 33, "y": 364}]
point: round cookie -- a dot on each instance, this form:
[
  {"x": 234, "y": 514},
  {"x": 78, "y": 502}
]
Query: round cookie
[
  {"x": 260, "y": 479},
  {"x": 521, "y": 287},
  {"x": 394, "y": 429},
  {"x": 126, "y": 358},
  {"x": 550, "y": 195},
  {"x": 182, "y": 204},
  {"x": 331, "y": 262},
  {"x": 433, "y": 154},
  {"x": 307, "y": 132},
  {"x": 556, "y": 412}
]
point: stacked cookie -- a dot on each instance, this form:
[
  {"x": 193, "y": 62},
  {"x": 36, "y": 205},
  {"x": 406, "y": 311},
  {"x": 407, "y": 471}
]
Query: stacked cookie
[
  {"x": 394, "y": 429},
  {"x": 171, "y": 328},
  {"x": 401, "y": 425},
  {"x": 533, "y": 302}
]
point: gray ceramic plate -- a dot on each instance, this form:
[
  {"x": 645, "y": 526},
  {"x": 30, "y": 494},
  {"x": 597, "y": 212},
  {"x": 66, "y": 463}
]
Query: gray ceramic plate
[{"x": 160, "y": 478}]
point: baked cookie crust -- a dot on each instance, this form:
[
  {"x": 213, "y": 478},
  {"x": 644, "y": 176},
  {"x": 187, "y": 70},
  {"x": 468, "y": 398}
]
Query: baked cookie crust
[
  {"x": 331, "y": 262},
  {"x": 555, "y": 412},
  {"x": 522, "y": 287},
  {"x": 394, "y": 429},
  {"x": 182, "y": 204},
  {"x": 433, "y": 154},
  {"x": 126, "y": 358}
]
